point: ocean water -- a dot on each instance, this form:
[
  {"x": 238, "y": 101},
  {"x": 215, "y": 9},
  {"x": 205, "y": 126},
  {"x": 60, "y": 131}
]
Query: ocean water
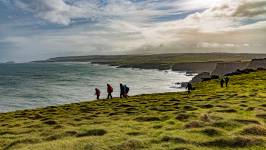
[{"x": 33, "y": 85}]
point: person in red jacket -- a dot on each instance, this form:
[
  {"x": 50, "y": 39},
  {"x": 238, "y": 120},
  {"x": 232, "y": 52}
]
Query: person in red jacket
[
  {"x": 109, "y": 91},
  {"x": 97, "y": 93}
]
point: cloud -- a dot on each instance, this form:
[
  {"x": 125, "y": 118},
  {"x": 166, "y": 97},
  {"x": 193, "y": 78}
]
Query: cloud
[
  {"x": 135, "y": 26},
  {"x": 218, "y": 28},
  {"x": 57, "y": 11},
  {"x": 251, "y": 9},
  {"x": 65, "y": 12}
]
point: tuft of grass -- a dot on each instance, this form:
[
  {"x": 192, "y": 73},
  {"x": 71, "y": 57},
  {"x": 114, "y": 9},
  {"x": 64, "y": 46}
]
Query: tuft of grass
[
  {"x": 147, "y": 119},
  {"x": 225, "y": 124},
  {"x": 132, "y": 144},
  {"x": 134, "y": 133},
  {"x": 247, "y": 121},
  {"x": 21, "y": 141},
  {"x": 173, "y": 139},
  {"x": 181, "y": 148},
  {"x": 227, "y": 110},
  {"x": 210, "y": 131},
  {"x": 262, "y": 116},
  {"x": 254, "y": 130},
  {"x": 194, "y": 124},
  {"x": 50, "y": 122},
  {"x": 182, "y": 117},
  {"x": 92, "y": 132},
  {"x": 207, "y": 106},
  {"x": 235, "y": 142}
]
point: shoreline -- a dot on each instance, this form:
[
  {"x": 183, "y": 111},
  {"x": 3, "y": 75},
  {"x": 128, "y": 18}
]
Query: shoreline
[
  {"x": 214, "y": 63},
  {"x": 210, "y": 117},
  {"x": 196, "y": 79},
  {"x": 171, "y": 88}
]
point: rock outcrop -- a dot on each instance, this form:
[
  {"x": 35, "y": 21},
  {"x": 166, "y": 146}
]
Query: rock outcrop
[
  {"x": 201, "y": 77},
  {"x": 229, "y": 67},
  {"x": 257, "y": 63},
  {"x": 197, "y": 67}
]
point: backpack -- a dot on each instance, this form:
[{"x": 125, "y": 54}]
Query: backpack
[
  {"x": 110, "y": 88},
  {"x": 127, "y": 89}
]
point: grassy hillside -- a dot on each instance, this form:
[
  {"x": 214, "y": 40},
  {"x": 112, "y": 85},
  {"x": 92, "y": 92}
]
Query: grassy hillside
[{"x": 209, "y": 118}]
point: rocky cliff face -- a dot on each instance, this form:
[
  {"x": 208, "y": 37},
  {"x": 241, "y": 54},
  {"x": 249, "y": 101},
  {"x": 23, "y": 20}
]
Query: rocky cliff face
[
  {"x": 197, "y": 67},
  {"x": 229, "y": 67},
  {"x": 257, "y": 63},
  {"x": 200, "y": 77}
]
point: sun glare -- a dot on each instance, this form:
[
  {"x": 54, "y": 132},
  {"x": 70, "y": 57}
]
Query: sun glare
[{"x": 211, "y": 2}]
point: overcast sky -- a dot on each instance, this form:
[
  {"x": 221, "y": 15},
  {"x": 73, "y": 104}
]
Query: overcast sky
[{"x": 39, "y": 29}]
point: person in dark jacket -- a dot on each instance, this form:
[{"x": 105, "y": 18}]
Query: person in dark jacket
[
  {"x": 226, "y": 79},
  {"x": 97, "y": 93},
  {"x": 189, "y": 88},
  {"x": 126, "y": 91},
  {"x": 122, "y": 90},
  {"x": 109, "y": 91},
  {"x": 222, "y": 82}
]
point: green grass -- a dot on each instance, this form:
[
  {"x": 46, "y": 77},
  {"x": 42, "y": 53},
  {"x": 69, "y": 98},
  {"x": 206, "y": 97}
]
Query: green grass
[{"x": 209, "y": 118}]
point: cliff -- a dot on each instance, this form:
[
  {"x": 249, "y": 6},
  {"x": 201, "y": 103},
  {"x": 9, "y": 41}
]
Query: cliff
[
  {"x": 197, "y": 67},
  {"x": 229, "y": 67},
  {"x": 257, "y": 63}
]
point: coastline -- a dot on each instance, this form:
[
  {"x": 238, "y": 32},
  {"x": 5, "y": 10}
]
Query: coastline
[
  {"x": 217, "y": 63},
  {"x": 208, "y": 115},
  {"x": 39, "y": 98}
]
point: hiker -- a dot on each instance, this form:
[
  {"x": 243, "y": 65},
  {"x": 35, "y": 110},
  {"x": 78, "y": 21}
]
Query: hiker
[
  {"x": 126, "y": 91},
  {"x": 226, "y": 79},
  {"x": 109, "y": 91},
  {"x": 189, "y": 87},
  {"x": 222, "y": 82},
  {"x": 97, "y": 93},
  {"x": 122, "y": 90}
]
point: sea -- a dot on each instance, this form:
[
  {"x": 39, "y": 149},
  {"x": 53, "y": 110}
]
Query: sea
[{"x": 34, "y": 85}]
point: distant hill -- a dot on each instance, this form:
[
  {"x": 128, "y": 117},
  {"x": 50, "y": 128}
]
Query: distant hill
[
  {"x": 191, "y": 62},
  {"x": 158, "y": 58}
]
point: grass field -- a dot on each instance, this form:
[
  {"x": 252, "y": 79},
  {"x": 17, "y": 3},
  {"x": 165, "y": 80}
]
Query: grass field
[{"x": 209, "y": 118}]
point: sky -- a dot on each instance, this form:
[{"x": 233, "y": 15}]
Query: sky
[{"x": 41, "y": 29}]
